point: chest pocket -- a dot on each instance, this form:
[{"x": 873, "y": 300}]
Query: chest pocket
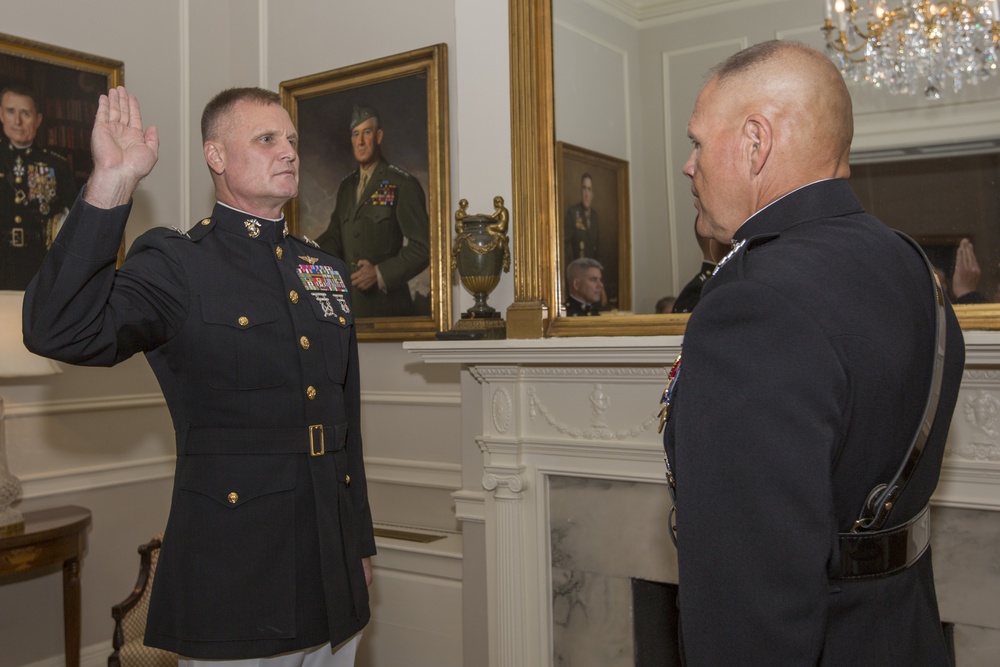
[
  {"x": 379, "y": 232},
  {"x": 336, "y": 320},
  {"x": 240, "y": 343}
]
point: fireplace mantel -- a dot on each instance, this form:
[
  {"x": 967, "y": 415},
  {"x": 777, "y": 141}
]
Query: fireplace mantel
[{"x": 586, "y": 408}]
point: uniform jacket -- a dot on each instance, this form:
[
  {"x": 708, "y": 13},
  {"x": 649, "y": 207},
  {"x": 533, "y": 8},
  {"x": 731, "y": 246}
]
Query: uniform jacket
[
  {"x": 805, "y": 372},
  {"x": 688, "y": 297},
  {"x": 36, "y": 188},
  {"x": 391, "y": 208},
  {"x": 581, "y": 239},
  {"x": 251, "y": 335}
]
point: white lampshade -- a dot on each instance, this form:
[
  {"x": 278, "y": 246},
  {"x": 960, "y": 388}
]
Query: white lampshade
[{"x": 15, "y": 360}]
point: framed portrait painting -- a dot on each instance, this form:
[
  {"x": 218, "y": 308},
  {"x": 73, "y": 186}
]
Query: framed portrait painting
[
  {"x": 593, "y": 201},
  {"x": 374, "y": 186},
  {"x": 48, "y": 100}
]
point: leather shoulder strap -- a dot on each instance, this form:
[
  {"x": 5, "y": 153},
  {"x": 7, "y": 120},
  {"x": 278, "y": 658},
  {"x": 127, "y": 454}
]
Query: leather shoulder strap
[{"x": 883, "y": 497}]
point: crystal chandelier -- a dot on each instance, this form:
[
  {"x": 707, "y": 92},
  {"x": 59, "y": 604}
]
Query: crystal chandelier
[{"x": 916, "y": 45}]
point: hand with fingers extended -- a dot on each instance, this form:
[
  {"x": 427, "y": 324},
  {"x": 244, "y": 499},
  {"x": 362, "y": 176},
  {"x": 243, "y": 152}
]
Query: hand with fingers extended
[
  {"x": 965, "y": 279},
  {"x": 124, "y": 153}
]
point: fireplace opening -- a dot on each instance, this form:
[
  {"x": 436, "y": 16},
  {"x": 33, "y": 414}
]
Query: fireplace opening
[{"x": 654, "y": 624}]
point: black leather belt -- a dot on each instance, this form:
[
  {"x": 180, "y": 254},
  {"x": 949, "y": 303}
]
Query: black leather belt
[{"x": 881, "y": 553}]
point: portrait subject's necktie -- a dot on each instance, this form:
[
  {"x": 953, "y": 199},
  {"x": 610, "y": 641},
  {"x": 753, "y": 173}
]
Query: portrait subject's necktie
[{"x": 362, "y": 182}]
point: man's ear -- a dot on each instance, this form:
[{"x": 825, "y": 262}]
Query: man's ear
[
  {"x": 215, "y": 157},
  {"x": 378, "y": 137},
  {"x": 760, "y": 139}
]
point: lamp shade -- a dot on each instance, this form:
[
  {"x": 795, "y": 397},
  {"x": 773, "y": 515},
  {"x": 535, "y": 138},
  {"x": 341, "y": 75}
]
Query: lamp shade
[{"x": 15, "y": 360}]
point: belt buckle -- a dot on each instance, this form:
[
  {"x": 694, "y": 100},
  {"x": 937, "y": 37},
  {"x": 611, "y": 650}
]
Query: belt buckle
[{"x": 315, "y": 440}]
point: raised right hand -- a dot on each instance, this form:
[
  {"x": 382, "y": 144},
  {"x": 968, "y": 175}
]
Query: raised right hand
[{"x": 123, "y": 152}]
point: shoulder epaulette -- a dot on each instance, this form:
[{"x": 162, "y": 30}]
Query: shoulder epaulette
[
  {"x": 400, "y": 171},
  {"x": 305, "y": 239},
  {"x": 200, "y": 229}
]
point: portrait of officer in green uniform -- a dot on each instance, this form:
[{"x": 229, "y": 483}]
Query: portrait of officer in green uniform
[
  {"x": 379, "y": 225},
  {"x": 36, "y": 189}
]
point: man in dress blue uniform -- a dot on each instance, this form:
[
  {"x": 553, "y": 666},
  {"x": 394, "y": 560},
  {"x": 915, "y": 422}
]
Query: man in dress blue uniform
[
  {"x": 585, "y": 285},
  {"x": 250, "y": 333},
  {"x": 379, "y": 225},
  {"x": 805, "y": 376},
  {"x": 36, "y": 189}
]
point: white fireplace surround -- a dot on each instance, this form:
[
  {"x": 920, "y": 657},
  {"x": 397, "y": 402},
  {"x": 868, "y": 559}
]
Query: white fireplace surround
[{"x": 586, "y": 407}]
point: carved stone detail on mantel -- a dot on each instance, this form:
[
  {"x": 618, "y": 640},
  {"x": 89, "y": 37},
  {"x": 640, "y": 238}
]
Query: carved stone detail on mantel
[
  {"x": 600, "y": 401},
  {"x": 982, "y": 412},
  {"x": 487, "y": 373},
  {"x": 503, "y": 410},
  {"x": 503, "y": 486}
]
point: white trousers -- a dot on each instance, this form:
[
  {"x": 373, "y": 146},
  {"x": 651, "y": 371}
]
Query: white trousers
[{"x": 318, "y": 656}]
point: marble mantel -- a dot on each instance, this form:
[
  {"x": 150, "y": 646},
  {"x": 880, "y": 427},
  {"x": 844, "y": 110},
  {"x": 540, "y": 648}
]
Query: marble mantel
[{"x": 586, "y": 408}]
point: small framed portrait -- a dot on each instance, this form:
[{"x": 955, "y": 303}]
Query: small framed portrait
[
  {"x": 374, "y": 186},
  {"x": 48, "y": 100},
  {"x": 593, "y": 200}
]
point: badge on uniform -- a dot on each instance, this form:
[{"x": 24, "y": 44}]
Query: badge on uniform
[
  {"x": 320, "y": 278},
  {"x": 41, "y": 185},
  {"x": 385, "y": 195}
]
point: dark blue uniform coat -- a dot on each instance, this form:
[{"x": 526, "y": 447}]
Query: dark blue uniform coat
[
  {"x": 250, "y": 334},
  {"x": 805, "y": 372}
]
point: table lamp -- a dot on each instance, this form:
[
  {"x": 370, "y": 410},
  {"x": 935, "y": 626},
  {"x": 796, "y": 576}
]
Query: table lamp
[{"x": 15, "y": 362}]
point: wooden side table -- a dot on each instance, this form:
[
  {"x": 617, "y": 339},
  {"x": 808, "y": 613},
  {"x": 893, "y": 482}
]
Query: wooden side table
[{"x": 52, "y": 536}]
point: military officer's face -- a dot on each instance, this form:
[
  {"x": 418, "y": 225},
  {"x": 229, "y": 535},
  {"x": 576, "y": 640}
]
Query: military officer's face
[
  {"x": 589, "y": 286},
  {"x": 587, "y": 192},
  {"x": 20, "y": 118},
  {"x": 365, "y": 139},
  {"x": 255, "y": 159},
  {"x": 718, "y": 172}
]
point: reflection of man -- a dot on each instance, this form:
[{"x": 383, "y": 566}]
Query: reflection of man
[
  {"x": 581, "y": 226},
  {"x": 583, "y": 277},
  {"x": 379, "y": 225},
  {"x": 36, "y": 188},
  {"x": 710, "y": 252},
  {"x": 806, "y": 370},
  {"x": 251, "y": 336}
]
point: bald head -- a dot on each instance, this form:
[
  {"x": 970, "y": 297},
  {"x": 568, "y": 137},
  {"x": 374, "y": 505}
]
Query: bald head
[
  {"x": 772, "y": 118},
  {"x": 805, "y": 94}
]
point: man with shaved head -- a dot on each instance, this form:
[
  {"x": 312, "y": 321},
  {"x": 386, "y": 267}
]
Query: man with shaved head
[{"x": 804, "y": 387}]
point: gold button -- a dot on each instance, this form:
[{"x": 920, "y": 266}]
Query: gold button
[
  {"x": 304, "y": 342},
  {"x": 347, "y": 480},
  {"x": 311, "y": 392},
  {"x": 17, "y": 219},
  {"x": 243, "y": 320},
  {"x": 293, "y": 296},
  {"x": 17, "y": 180},
  {"x": 206, "y": 221},
  {"x": 233, "y": 497},
  {"x": 342, "y": 320},
  {"x": 279, "y": 252}
]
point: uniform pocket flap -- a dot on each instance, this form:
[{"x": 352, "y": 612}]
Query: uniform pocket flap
[
  {"x": 234, "y": 480},
  {"x": 221, "y": 309}
]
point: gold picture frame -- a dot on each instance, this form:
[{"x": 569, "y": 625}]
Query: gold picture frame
[
  {"x": 610, "y": 228},
  {"x": 65, "y": 86},
  {"x": 410, "y": 93}
]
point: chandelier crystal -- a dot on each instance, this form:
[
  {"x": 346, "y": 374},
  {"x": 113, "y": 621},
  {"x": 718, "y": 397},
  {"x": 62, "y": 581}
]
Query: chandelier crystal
[{"x": 915, "y": 45}]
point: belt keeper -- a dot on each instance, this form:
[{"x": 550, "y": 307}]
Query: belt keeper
[{"x": 313, "y": 438}]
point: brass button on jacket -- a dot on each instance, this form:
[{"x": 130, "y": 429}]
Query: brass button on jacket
[
  {"x": 244, "y": 320},
  {"x": 311, "y": 392},
  {"x": 304, "y": 342},
  {"x": 233, "y": 497},
  {"x": 279, "y": 252},
  {"x": 293, "y": 296}
]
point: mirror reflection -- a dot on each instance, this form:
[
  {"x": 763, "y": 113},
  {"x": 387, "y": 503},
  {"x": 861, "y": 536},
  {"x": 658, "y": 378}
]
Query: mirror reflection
[{"x": 619, "y": 96}]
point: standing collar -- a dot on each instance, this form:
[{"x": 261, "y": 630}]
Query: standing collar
[
  {"x": 241, "y": 223},
  {"x": 829, "y": 197}
]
